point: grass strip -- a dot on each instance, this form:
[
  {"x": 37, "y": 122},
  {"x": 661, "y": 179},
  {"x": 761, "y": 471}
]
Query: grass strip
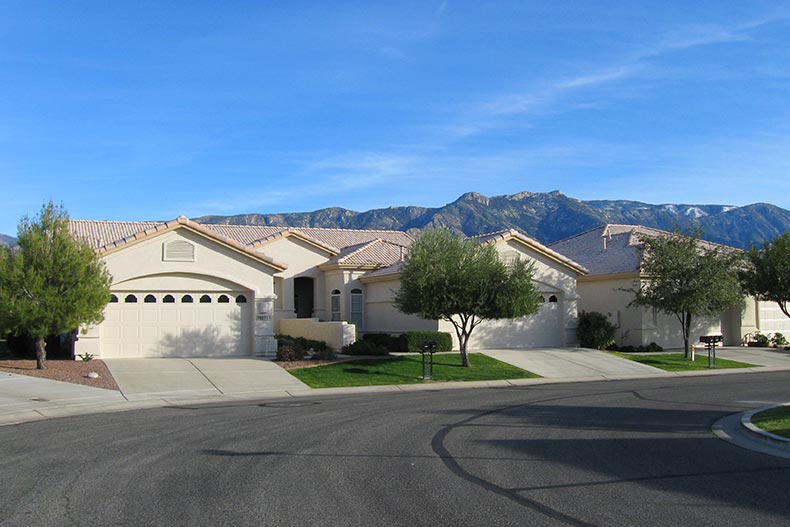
[
  {"x": 407, "y": 369},
  {"x": 775, "y": 420},
  {"x": 678, "y": 362}
]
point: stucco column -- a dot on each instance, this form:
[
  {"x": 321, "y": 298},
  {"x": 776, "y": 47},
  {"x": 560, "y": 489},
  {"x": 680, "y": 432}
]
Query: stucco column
[
  {"x": 263, "y": 327},
  {"x": 570, "y": 319}
]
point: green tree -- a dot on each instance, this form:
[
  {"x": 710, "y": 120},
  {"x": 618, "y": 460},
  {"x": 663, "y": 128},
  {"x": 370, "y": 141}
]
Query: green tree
[
  {"x": 768, "y": 276},
  {"x": 464, "y": 282},
  {"x": 51, "y": 283},
  {"x": 687, "y": 278}
]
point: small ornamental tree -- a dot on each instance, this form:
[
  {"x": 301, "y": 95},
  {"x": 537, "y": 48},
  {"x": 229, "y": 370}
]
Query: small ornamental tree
[
  {"x": 687, "y": 278},
  {"x": 51, "y": 283},
  {"x": 768, "y": 276},
  {"x": 464, "y": 282}
]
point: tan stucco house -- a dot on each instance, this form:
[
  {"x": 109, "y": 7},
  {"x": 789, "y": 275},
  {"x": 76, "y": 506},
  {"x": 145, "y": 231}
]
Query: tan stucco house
[
  {"x": 181, "y": 288},
  {"x": 613, "y": 255}
]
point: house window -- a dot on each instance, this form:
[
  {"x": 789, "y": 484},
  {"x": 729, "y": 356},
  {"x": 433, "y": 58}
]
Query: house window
[
  {"x": 178, "y": 251},
  {"x": 542, "y": 299},
  {"x": 186, "y": 299},
  {"x": 168, "y": 299},
  {"x": 335, "y": 304},
  {"x": 355, "y": 316},
  {"x": 553, "y": 298},
  {"x": 130, "y": 299},
  {"x": 113, "y": 299},
  {"x": 149, "y": 299},
  {"x": 205, "y": 299},
  {"x": 241, "y": 299},
  {"x": 223, "y": 299}
]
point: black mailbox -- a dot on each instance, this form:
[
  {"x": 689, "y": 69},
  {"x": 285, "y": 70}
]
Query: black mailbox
[
  {"x": 427, "y": 347},
  {"x": 710, "y": 342}
]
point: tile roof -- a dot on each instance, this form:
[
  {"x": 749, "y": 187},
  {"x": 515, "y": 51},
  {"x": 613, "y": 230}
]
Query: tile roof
[
  {"x": 612, "y": 248},
  {"x": 393, "y": 270},
  {"x": 608, "y": 249},
  {"x": 336, "y": 238},
  {"x": 510, "y": 234},
  {"x": 379, "y": 253},
  {"x": 106, "y": 236}
]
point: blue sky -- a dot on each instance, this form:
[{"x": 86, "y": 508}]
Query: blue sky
[{"x": 148, "y": 110}]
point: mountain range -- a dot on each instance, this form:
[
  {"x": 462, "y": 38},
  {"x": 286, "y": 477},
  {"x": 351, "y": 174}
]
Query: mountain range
[
  {"x": 548, "y": 217},
  {"x": 7, "y": 240}
]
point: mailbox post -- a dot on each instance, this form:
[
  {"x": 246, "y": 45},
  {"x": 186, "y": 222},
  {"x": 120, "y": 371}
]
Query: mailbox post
[
  {"x": 710, "y": 342},
  {"x": 427, "y": 347}
]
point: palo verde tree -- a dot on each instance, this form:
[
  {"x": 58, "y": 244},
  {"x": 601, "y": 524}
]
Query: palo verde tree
[
  {"x": 464, "y": 282},
  {"x": 686, "y": 277},
  {"x": 767, "y": 274},
  {"x": 51, "y": 283}
]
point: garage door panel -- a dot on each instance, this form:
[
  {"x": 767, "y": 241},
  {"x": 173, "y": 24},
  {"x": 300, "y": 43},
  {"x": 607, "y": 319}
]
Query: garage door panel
[
  {"x": 543, "y": 329},
  {"x": 176, "y": 329}
]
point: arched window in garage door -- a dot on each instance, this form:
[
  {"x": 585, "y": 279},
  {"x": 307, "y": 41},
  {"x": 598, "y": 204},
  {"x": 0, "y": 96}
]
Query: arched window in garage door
[
  {"x": 149, "y": 299},
  {"x": 205, "y": 299},
  {"x": 241, "y": 299},
  {"x": 223, "y": 299},
  {"x": 168, "y": 299},
  {"x": 186, "y": 299},
  {"x": 130, "y": 299}
]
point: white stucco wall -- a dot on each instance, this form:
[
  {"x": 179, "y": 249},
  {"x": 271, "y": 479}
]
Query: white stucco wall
[
  {"x": 382, "y": 316},
  {"x": 637, "y": 326},
  {"x": 335, "y": 334},
  {"x": 303, "y": 259}
]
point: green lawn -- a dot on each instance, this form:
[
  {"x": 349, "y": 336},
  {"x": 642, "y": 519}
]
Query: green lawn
[
  {"x": 407, "y": 369},
  {"x": 775, "y": 420},
  {"x": 677, "y": 362}
]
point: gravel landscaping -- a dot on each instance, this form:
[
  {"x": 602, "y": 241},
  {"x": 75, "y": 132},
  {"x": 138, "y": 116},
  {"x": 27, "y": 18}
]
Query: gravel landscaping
[{"x": 75, "y": 372}]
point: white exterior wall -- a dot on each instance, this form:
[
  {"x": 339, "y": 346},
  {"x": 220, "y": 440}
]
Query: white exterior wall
[
  {"x": 140, "y": 266},
  {"x": 335, "y": 334},
  {"x": 303, "y": 259},
  {"x": 637, "y": 326},
  {"x": 381, "y": 316}
]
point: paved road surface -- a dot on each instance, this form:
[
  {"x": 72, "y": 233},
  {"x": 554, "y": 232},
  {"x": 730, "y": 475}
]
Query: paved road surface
[{"x": 605, "y": 453}]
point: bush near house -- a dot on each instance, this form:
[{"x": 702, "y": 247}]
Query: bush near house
[
  {"x": 295, "y": 348},
  {"x": 410, "y": 341},
  {"x": 391, "y": 342},
  {"x": 595, "y": 331},
  {"x": 365, "y": 347},
  {"x": 650, "y": 348}
]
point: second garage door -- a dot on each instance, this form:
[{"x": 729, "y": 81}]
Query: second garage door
[{"x": 176, "y": 324}]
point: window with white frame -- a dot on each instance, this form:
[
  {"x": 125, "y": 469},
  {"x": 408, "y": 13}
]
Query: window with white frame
[
  {"x": 355, "y": 317},
  {"x": 334, "y": 304}
]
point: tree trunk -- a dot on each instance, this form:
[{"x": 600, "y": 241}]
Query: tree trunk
[
  {"x": 464, "y": 355},
  {"x": 41, "y": 353},
  {"x": 686, "y": 335}
]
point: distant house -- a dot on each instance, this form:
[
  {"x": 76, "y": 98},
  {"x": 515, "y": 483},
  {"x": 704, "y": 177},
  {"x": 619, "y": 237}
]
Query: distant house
[
  {"x": 181, "y": 288},
  {"x": 613, "y": 256}
]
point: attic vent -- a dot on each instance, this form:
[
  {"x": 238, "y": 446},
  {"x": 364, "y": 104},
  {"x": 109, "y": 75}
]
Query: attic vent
[{"x": 178, "y": 251}]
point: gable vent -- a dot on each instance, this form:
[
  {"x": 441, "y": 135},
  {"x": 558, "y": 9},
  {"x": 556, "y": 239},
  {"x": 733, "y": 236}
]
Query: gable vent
[{"x": 178, "y": 251}]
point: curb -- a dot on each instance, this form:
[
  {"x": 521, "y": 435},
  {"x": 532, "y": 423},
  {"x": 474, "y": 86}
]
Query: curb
[{"x": 774, "y": 440}]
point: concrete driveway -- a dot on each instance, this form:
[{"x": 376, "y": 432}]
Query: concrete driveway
[
  {"x": 157, "y": 378},
  {"x": 571, "y": 363}
]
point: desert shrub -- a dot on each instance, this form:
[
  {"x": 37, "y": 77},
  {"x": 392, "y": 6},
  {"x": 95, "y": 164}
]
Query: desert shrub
[
  {"x": 653, "y": 348},
  {"x": 595, "y": 331},
  {"x": 364, "y": 347},
  {"x": 613, "y": 347},
  {"x": 410, "y": 341},
  {"x": 759, "y": 340},
  {"x": 778, "y": 340},
  {"x": 391, "y": 342},
  {"x": 295, "y": 348}
]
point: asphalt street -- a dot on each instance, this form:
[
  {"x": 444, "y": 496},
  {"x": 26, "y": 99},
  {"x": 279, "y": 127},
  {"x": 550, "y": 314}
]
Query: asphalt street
[{"x": 610, "y": 453}]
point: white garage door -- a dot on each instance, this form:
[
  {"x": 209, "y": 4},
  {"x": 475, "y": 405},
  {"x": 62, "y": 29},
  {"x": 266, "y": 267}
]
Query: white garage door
[
  {"x": 772, "y": 319},
  {"x": 541, "y": 330},
  {"x": 176, "y": 324}
]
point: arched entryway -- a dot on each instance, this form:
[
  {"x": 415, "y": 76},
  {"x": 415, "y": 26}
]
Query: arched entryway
[{"x": 303, "y": 296}]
